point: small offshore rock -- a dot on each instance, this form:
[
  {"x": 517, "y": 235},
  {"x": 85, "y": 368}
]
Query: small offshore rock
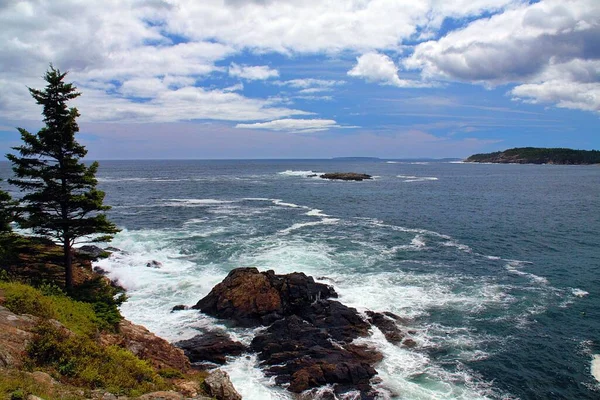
[
  {"x": 410, "y": 343},
  {"x": 179, "y": 307},
  {"x": 346, "y": 176},
  {"x": 218, "y": 385},
  {"x": 154, "y": 264}
]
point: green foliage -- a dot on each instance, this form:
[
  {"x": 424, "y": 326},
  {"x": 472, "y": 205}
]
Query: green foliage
[
  {"x": 170, "y": 373},
  {"x": 104, "y": 298},
  {"x": 61, "y": 200},
  {"x": 535, "y": 155},
  {"x": 83, "y": 362},
  {"x": 8, "y": 210},
  {"x": 24, "y": 299},
  {"x": 78, "y": 316},
  {"x": 15, "y": 384}
]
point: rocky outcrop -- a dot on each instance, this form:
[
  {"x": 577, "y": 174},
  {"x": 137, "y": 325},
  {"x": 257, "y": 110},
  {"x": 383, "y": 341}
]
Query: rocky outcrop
[
  {"x": 346, "y": 176},
  {"x": 218, "y": 385},
  {"x": 92, "y": 252},
  {"x": 213, "y": 346},
  {"x": 146, "y": 345},
  {"x": 251, "y": 298},
  {"x": 15, "y": 334},
  {"x": 308, "y": 342}
]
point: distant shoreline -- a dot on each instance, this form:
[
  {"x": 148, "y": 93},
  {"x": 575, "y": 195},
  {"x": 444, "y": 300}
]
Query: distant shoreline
[{"x": 534, "y": 155}]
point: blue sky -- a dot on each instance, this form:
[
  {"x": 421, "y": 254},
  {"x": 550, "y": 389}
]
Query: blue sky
[{"x": 307, "y": 78}]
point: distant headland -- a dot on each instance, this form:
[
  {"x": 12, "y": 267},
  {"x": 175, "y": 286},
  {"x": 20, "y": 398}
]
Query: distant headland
[{"x": 537, "y": 155}]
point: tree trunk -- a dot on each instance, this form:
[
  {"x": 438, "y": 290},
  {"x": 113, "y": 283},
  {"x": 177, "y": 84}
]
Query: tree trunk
[{"x": 68, "y": 260}]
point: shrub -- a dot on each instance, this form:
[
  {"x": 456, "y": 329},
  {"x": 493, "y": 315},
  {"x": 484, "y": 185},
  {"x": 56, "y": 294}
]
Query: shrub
[
  {"x": 85, "y": 363},
  {"x": 24, "y": 299}
]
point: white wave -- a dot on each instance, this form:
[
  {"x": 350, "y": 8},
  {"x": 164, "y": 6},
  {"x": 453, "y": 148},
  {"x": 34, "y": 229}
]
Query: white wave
[
  {"x": 512, "y": 267},
  {"x": 198, "y": 201},
  {"x": 316, "y": 213},
  {"x": 579, "y": 293},
  {"x": 411, "y": 178},
  {"x": 460, "y": 246},
  {"x": 251, "y": 383},
  {"x": 279, "y": 202},
  {"x": 595, "y": 368},
  {"x": 324, "y": 221},
  {"x": 148, "y": 180},
  {"x": 299, "y": 173},
  {"x": 392, "y": 162}
]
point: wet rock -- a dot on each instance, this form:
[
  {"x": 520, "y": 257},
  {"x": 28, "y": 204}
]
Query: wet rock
[
  {"x": 410, "y": 343},
  {"x": 346, "y": 176},
  {"x": 218, "y": 385},
  {"x": 212, "y": 346},
  {"x": 308, "y": 342},
  {"x": 386, "y": 324},
  {"x": 92, "y": 252},
  {"x": 154, "y": 264},
  {"x": 179, "y": 307},
  {"x": 251, "y": 298}
]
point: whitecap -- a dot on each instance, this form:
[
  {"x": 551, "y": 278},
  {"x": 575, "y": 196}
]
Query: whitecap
[
  {"x": 324, "y": 221},
  {"x": 595, "y": 368},
  {"x": 298, "y": 173},
  {"x": 579, "y": 292},
  {"x": 412, "y": 178}
]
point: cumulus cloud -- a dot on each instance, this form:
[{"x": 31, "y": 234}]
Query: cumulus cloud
[
  {"x": 252, "y": 73},
  {"x": 295, "y": 125},
  {"x": 376, "y": 67},
  {"x": 549, "y": 48}
]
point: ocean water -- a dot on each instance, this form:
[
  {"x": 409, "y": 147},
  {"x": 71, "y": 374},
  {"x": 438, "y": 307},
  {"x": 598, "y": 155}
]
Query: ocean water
[{"x": 494, "y": 267}]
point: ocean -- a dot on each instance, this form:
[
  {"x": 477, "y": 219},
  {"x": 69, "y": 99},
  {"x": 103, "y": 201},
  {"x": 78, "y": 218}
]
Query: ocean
[{"x": 494, "y": 267}]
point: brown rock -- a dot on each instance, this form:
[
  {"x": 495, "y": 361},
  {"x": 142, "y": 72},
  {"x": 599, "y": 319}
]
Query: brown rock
[
  {"x": 166, "y": 395},
  {"x": 218, "y": 385},
  {"x": 146, "y": 345},
  {"x": 15, "y": 334},
  {"x": 387, "y": 325},
  {"x": 410, "y": 343},
  {"x": 252, "y": 298}
]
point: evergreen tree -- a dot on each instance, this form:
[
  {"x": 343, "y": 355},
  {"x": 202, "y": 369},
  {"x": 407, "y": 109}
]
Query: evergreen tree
[
  {"x": 7, "y": 212},
  {"x": 61, "y": 200}
]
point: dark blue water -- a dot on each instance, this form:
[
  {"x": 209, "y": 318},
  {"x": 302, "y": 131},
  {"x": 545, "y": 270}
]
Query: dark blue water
[{"x": 495, "y": 266}]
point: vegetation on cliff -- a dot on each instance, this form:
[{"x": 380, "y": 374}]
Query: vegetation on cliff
[{"x": 535, "y": 155}]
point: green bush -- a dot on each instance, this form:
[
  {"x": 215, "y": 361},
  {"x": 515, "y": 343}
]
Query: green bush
[
  {"x": 85, "y": 363},
  {"x": 78, "y": 316},
  {"x": 24, "y": 299}
]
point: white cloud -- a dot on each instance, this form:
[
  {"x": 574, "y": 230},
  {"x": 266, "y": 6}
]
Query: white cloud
[
  {"x": 252, "y": 73},
  {"x": 549, "y": 48},
  {"x": 310, "y": 83},
  {"x": 295, "y": 125},
  {"x": 376, "y": 67}
]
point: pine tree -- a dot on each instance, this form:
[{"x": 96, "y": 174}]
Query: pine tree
[
  {"x": 61, "y": 200},
  {"x": 7, "y": 212}
]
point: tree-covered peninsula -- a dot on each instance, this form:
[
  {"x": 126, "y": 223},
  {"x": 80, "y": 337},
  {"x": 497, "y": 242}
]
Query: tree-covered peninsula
[{"x": 537, "y": 155}]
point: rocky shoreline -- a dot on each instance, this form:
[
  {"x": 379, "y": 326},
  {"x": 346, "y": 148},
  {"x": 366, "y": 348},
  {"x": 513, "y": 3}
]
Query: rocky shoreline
[{"x": 308, "y": 338}]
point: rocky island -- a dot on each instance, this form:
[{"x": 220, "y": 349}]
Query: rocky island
[
  {"x": 345, "y": 176},
  {"x": 535, "y": 155}
]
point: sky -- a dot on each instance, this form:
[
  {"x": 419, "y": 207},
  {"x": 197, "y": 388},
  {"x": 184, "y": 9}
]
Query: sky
[{"x": 228, "y": 79}]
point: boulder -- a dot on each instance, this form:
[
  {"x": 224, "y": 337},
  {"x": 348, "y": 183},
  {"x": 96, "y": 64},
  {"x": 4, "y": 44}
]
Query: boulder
[
  {"x": 212, "y": 346},
  {"x": 251, "y": 298},
  {"x": 218, "y": 385},
  {"x": 92, "y": 252},
  {"x": 154, "y": 264},
  {"x": 346, "y": 176},
  {"x": 16, "y": 331},
  {"x": 179, "y": 307}
]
